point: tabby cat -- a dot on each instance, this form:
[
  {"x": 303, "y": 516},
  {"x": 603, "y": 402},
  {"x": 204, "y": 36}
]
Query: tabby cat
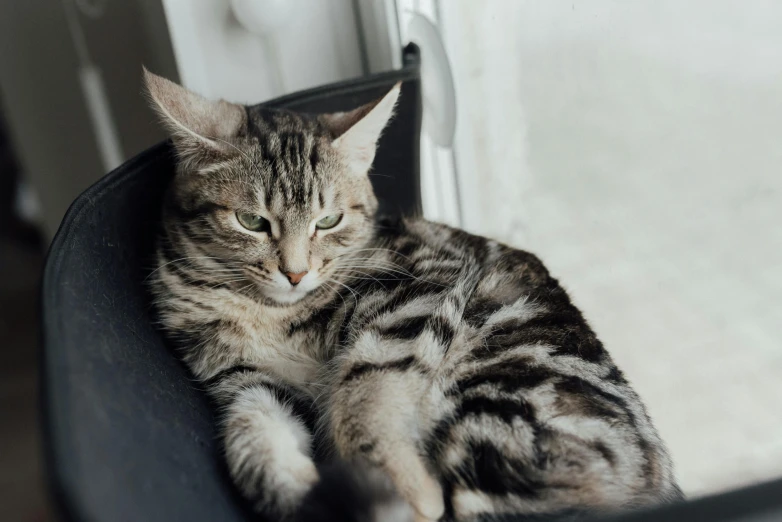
[{"x": 450, "y": 372}]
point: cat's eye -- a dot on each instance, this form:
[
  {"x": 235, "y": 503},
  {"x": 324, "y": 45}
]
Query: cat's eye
[
  {"x": 253, "y": 222},
  {"x": 329, "y": 222}
]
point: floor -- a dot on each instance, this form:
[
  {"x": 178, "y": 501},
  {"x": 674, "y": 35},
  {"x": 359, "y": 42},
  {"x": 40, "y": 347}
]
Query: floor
[
  {"x": 696, "y": 328},
  {"x": 22, "y": 492},
  {"x": 635, "y": 147},
  {"x": 21, "y": 479}
]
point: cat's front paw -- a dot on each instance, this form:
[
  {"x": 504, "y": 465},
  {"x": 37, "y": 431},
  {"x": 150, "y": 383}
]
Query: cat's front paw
[
  {"x": 293, "y": 480},
  {"x": 425, "y": 495},
  {"x": 416, "y": 485},
  {"x": 281, "y": 487}
]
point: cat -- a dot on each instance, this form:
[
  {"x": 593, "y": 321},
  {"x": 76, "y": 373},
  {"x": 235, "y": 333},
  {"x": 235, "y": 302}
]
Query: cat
[{"x": 446, "y": 376}]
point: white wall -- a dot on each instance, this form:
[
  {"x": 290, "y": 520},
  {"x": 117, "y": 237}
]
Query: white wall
[
  {"x": 71, "y": 83},
  {"x": 635, "y": 145},
  {"x": 217, "y": 56}
]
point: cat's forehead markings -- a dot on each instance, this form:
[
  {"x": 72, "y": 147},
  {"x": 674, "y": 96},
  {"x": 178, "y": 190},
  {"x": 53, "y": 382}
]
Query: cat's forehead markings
[
  {"x": 327, "y": 196},
  {"x": 260, "y": 199}
]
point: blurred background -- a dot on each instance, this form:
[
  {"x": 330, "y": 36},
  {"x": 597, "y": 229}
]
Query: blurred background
[{"x": 633, "y": 145}]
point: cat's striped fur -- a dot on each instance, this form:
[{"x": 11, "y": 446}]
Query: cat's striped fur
[{"x": 452, "y": 364}]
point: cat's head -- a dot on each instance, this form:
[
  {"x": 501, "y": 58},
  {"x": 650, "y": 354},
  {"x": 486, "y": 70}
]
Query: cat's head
[{"x": 274, "y": 197}]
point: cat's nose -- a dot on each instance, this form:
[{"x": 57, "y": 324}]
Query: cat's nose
[{"x": 295, "y": 278}]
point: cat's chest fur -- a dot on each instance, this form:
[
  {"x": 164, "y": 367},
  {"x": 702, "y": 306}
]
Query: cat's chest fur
[{"x": 261, "y": 336}]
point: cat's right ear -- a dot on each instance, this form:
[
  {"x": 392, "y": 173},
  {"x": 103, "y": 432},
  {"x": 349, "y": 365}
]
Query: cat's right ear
[
  {"x": 198, "y": 126},
  {"x": 356, "y": 132}
]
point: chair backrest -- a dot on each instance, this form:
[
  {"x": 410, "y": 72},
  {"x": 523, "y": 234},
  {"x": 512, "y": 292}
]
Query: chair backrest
[{"x": 128, "y": 435}]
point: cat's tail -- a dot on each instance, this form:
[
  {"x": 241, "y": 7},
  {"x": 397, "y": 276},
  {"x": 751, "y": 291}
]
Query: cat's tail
[{"x": 353, "y": 492}]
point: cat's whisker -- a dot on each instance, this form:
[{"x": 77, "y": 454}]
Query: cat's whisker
[
  {"x": 352, "y": 291},
  {"x": 159, "y": 267},
  {"x": 234, "y": 280},
  {"x": 335, "y": 290},
  {"x": 371, "y": 274},
  {"x": 372, "y": 262},
  {"x": 384, "y": 250},
  {"x": 360, "y": 264},
  {"x": 407, "y": 274},
  {"x": 367, "y": 276},
  {"x": 245, "y": 287}
]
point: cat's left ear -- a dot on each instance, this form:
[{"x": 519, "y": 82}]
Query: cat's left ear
[{"x": 356, "y": 132}]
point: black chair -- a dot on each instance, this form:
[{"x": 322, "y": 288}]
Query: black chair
[{"x": 128, "y": 436}]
